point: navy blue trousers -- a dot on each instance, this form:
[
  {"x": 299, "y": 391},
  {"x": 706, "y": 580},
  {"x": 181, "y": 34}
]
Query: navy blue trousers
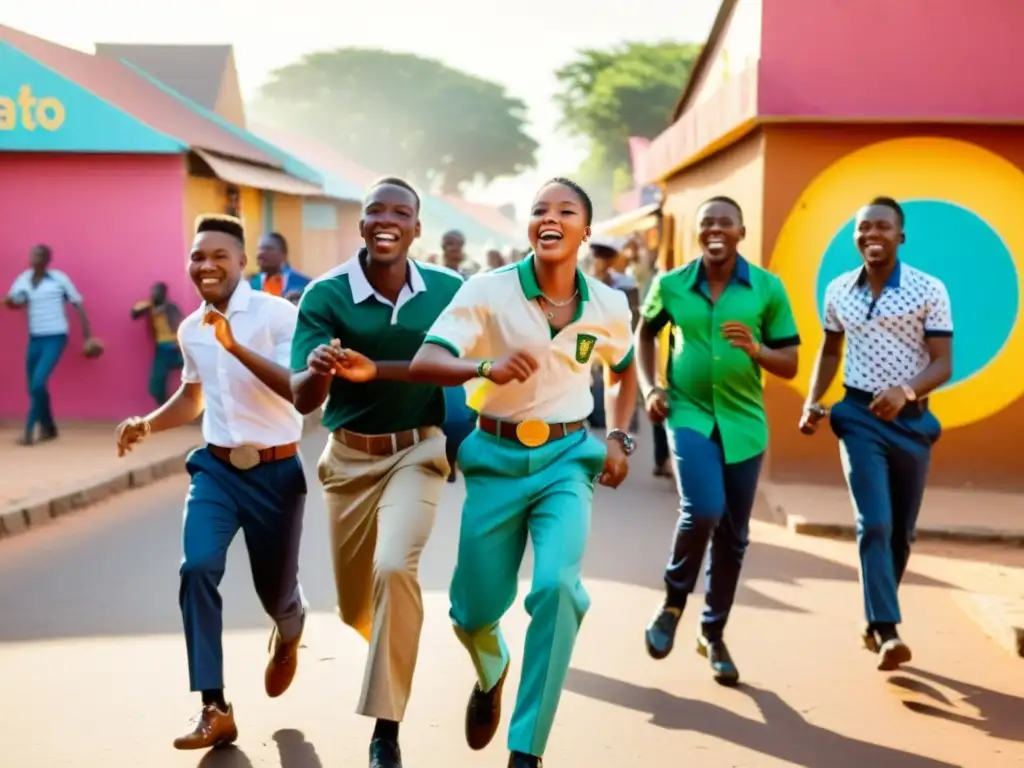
[
  {"x": 266, "y": 503},
  {"x": 41, "y": 358},
  {"x": 886, "y": 467},
  {"x": 716, "y": 500}
]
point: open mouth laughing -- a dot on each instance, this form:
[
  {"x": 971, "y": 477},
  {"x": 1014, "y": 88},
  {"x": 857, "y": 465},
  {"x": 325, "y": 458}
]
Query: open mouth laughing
[
  {"x": 715, "y": 242},
  {"x": 548, "y": 236}
]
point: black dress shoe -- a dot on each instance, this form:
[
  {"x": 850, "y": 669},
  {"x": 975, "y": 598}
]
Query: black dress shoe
[
  {"x": 483, "y": 713},
  {"x": 722, "y": 666},
  {"x": 661, "y": 632},
  {"x": 519, "y": 760},
  {"x": 385, "y": 753},
  {"x": 870, "y": 640}
]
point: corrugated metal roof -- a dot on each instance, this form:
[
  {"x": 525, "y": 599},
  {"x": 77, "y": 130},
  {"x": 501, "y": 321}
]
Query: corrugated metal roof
[
  {"x": 256, "y": 176},
  {"x": 466, "y": 217},
  {"x": 194, "y": 71},
  {"x": 487, "y": 215},
  {"x": 344, "y": 179},
  {"x": 126, "y": 89}
]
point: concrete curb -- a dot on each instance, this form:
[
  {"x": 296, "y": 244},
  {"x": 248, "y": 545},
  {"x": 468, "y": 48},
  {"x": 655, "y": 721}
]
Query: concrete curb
[
  {"x": 1001, "y": 618},
  {"x": 960, "y": 533},
  {"x": 19, "y": 518}
]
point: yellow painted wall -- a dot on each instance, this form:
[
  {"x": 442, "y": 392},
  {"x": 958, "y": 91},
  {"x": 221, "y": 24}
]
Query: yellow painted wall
[
  {"x": 288, "y": 222},
  {"x": 251, "y": 208}
]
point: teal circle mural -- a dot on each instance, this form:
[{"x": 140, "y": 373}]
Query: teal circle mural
[{"x": 958, "y": 247}]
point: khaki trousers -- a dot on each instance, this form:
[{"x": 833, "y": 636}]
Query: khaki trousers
[{"x": 381, "y": 511}]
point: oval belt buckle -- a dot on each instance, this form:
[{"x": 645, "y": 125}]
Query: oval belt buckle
[
  {"x": 533, "y": 432},
  {"x": 244, "y": 457}
]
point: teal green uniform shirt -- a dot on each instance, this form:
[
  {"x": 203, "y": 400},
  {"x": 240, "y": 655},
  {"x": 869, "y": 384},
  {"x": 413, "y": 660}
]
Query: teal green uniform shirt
[
  {"x": 710, "y": 382},
  {"x": 343, "y": 305}
]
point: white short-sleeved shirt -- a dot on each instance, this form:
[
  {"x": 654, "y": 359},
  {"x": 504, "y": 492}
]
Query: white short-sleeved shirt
[
  {"x": 241, "y": 409},
  {"x": 885, "y": 338},
  {"x": 496, "y": 313},
  {"x": 46, "y": 315}
]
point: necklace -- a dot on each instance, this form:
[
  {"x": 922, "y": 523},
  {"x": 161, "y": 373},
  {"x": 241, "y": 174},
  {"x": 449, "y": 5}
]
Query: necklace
[{"x": 558, "y": 304}]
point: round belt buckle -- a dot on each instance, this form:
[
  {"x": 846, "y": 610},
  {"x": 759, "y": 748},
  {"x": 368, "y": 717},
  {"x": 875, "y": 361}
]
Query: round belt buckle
[
  {"x": 244, "y": 457},
  {"x": 533, "y": 432}
]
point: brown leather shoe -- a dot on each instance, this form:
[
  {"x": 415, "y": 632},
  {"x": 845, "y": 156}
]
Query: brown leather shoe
[
  {"x": 213, "y": 728},
  {"x": 483, "y": 713},
  {"x": 284, "y": 660}
]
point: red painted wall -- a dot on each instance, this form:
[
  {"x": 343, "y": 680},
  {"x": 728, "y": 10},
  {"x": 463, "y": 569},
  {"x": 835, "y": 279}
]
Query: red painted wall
[
  {"x": 878, "y": 59},
  {"x": 114, "y": 223}
]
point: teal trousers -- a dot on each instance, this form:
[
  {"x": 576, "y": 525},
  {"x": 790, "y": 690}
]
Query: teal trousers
[{"x": 512, "y": 493}]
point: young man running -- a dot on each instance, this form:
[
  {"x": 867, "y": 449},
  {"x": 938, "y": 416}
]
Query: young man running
[
  {"x": 384, "y": 466},
  {"x": 248, "y": 476},
  {"x": 526, "y": 336},
  {"x": 898, "y": 328},
  {"x": 730, "y": 321}
]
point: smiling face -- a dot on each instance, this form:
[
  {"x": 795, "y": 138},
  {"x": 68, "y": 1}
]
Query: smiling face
[
  {"x": 719, "y": 231},
  {"x": 390, "y": 222},
  {"x": 878, "y": 234},
  {"x": 558, "y": 223},
  {"x": 215, "y": 266}
]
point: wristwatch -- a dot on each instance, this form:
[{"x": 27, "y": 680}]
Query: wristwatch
[
  {"x": 483, "y": 370},
  {"x": 909, "y": 393},
  {"x": 628, "y": 443}
]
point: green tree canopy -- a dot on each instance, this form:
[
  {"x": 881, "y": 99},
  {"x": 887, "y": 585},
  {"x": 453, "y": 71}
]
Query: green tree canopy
[
  {"x": 606, "y": 96},
  {"x": 403, "y": 114}
]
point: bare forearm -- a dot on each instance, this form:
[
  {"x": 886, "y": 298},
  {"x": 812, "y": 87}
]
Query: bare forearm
[
  {"x": 183, "y": 407},
  {"x": 309, "y": 390},
  {"x": 274, "y": 376},
  {"x": 779, "y": 362},
  {"x": 620, "y": 397},
  {"x": 84, "y": 320},
  {"x": 394, "y": 370},
  {"x": 436, "y": 365},
  {"x": 645, "y": 362},
  {"x": 825, "y": 368},
  {"x": 931, "y": 378}
]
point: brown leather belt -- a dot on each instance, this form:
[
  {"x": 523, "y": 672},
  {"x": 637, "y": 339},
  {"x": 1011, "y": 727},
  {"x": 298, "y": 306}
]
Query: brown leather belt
[
  {"x": 383, "y": 445},
  {"x": 248, "y": 456},
  {"x": 512, "y": 430}
]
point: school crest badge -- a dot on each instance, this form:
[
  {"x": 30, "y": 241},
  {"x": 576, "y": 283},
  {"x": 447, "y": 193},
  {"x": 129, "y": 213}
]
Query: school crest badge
[{"x": 585, "y": 347}]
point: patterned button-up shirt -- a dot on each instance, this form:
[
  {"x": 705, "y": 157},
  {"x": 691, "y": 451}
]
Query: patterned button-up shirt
[{"x": 885, "y": 337}]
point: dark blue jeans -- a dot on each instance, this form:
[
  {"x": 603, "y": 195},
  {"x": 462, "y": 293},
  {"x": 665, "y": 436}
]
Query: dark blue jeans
[
  {"x": 716, "y": 500},
  {"x": 886, "y": 467},
  {"x": 42, "y": 357},
  {"x": 166, "y": 358},
  {"x": 267, "y": 504}
]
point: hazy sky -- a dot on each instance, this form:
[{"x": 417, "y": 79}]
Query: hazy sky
[{"x": 518, "y": 43}]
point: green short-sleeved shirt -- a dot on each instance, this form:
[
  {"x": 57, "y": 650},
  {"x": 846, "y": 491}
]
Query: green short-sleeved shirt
[
  {"x": 343, "y": 305},
  {"x": 710, "y": 382}
]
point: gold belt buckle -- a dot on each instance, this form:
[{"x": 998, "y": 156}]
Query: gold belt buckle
[
  {"x": 244, "y": 457},
  {"x": 533, "y": 432}
]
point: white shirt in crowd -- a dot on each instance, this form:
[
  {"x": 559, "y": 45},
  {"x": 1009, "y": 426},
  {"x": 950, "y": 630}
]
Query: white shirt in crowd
[
  {"x": 241, "y": 409},
  {"x": 497, "y": 312},
  {"x": 45, "y": 301},
  {"x": 885, "y": 338}
]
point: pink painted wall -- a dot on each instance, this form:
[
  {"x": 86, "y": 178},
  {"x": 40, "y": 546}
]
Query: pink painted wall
[
  {"x": 114, "y": 223},
  {"x": 877, "y": 59}
]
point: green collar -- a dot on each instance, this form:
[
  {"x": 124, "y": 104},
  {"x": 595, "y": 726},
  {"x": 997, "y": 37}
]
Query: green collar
[{"x": 528, "y": 280}]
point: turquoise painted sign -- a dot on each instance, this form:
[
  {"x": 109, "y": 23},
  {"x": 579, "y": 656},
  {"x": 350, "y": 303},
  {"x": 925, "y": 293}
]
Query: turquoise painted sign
[{"x": 42, "y": 111}]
